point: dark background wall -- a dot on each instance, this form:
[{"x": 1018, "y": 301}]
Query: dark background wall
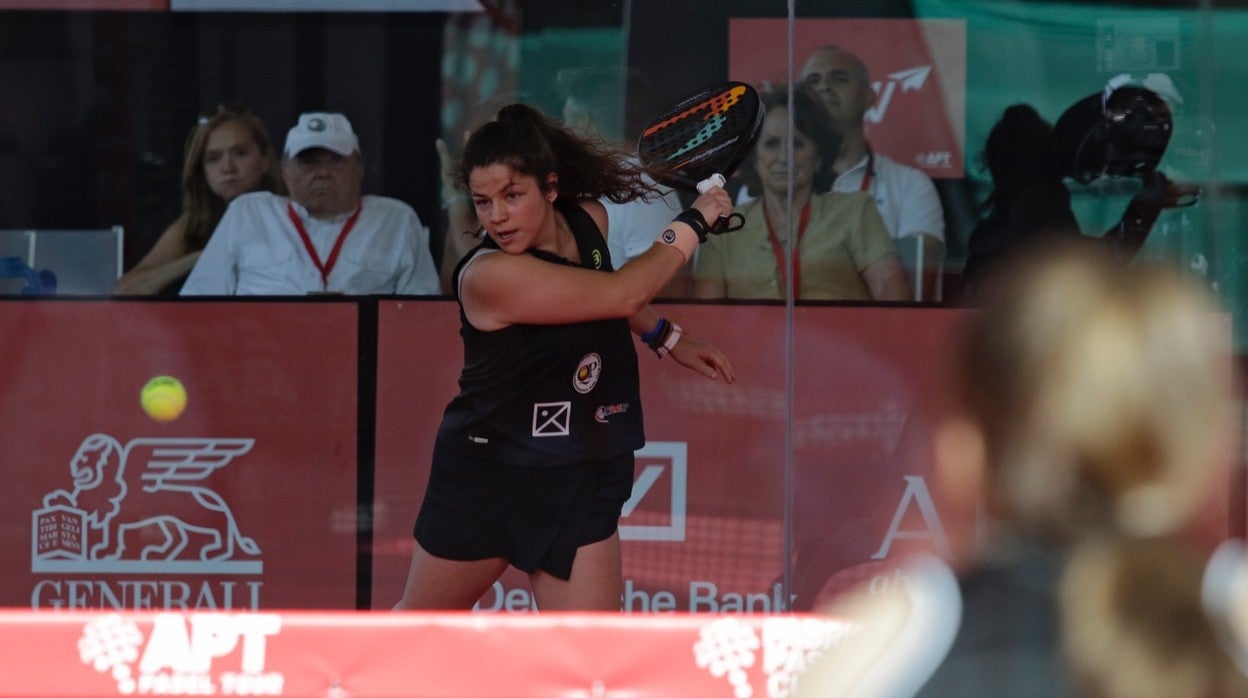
[{"x": 95, "y": 106}]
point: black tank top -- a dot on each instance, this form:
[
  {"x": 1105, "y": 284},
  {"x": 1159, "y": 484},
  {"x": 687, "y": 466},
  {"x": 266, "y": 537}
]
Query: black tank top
[{"x": 548, "y": 395}]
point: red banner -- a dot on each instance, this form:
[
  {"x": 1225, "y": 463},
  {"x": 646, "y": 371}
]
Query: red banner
[
  {"x": 916, "y": 67},
  {"x": 411, "y": 654},
  {"x": 869, "y": 644},
  {"x": 246, "y": 500},
  {"x": 811, "y": 472}
]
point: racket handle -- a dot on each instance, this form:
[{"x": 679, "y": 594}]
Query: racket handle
[{"x": 715, "y": 180}]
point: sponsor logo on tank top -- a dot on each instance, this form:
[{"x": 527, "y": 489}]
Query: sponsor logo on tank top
[
  {"x": 604, "y": 411},
  {"x": 587, "y": 373}
]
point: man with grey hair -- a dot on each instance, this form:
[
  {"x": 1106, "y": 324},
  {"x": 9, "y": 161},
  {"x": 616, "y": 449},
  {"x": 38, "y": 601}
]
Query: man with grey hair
[
  {"x": 326, "y": 237},
  {"x": 905, "y": 196}
]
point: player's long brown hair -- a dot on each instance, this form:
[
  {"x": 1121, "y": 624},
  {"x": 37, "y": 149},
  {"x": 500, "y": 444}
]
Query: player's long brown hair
[{"x": 532, "y": 144}]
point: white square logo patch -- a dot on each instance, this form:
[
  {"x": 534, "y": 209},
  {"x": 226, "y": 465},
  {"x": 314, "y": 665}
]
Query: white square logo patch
[{"x": 552, "y": 418}]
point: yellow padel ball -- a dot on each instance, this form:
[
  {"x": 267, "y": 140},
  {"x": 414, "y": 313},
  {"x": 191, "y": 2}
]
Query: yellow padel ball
[{"x": 163, "y": 398}]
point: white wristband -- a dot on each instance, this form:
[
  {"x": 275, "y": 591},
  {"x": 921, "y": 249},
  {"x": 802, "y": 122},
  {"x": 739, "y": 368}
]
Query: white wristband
[
  {"x": 681, "y": 236},
  {"x": 670, "y": 343}
]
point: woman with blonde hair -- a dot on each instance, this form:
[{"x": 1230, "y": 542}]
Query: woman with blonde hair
[
  {"x": 1092, "y": 414},
  {"x": 227, "y": 153},
  {"x": 1100, "y": 392}
]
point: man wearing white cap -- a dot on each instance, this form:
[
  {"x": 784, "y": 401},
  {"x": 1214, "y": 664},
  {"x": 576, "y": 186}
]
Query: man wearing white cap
[{"x": 325, "y": 237}]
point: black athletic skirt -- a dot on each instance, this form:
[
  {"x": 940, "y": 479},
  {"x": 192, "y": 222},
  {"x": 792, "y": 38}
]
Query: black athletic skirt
[{"x": 477, "y": 508}]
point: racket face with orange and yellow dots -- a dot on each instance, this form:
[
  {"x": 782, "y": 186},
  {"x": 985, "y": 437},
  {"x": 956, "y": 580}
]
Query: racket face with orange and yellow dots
[{"x": 709, "y": 132}]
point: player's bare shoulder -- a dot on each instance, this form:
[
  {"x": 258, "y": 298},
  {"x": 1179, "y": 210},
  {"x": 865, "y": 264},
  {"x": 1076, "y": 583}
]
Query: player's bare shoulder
[{"x": 492, "y": 267}]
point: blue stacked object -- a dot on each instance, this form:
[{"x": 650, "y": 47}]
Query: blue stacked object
[{"x": 38, "y": 283}]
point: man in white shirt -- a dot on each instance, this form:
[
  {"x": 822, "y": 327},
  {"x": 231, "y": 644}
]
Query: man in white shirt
[
  {"x": 905, "y": 196},
  {"x": 325, "y": 237}
]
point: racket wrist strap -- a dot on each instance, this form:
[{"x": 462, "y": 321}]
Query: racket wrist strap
[{"x": 693, "y": 218}]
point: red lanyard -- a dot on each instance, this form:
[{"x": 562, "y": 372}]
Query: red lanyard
[
  {"x": 869, "y": 175},
  {"x": 778, "y": 249},
  {"x": 327, "y": 266}
]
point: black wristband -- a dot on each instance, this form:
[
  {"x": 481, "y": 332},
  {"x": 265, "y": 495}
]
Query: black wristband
[{"x": 693, "y": 218}]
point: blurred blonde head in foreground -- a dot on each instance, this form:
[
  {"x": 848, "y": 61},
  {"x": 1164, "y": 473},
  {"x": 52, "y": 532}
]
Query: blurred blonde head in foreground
[
  {"x": 1090, "y": 414},
  {"x": 1091, "y": 396}
]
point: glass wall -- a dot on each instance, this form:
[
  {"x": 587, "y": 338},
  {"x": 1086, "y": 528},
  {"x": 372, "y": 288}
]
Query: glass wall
[{"x": 809, "y": 475}]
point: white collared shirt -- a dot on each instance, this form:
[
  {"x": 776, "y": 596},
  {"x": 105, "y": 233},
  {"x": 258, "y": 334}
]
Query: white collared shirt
[
  {"x": 905, "y": 196},
  {"x": 256, "y": 250},
  {"x": 632, "y": 227}
]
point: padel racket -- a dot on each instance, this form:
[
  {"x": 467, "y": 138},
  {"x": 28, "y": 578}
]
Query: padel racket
[{"x": 700, "y": 140}]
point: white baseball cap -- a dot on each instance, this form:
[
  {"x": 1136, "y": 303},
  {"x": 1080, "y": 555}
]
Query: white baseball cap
[{"x": 327, "y": 130}]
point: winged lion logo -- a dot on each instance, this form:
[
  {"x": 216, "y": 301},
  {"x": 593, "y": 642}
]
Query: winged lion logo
[{"x": 144, "y": 507}]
